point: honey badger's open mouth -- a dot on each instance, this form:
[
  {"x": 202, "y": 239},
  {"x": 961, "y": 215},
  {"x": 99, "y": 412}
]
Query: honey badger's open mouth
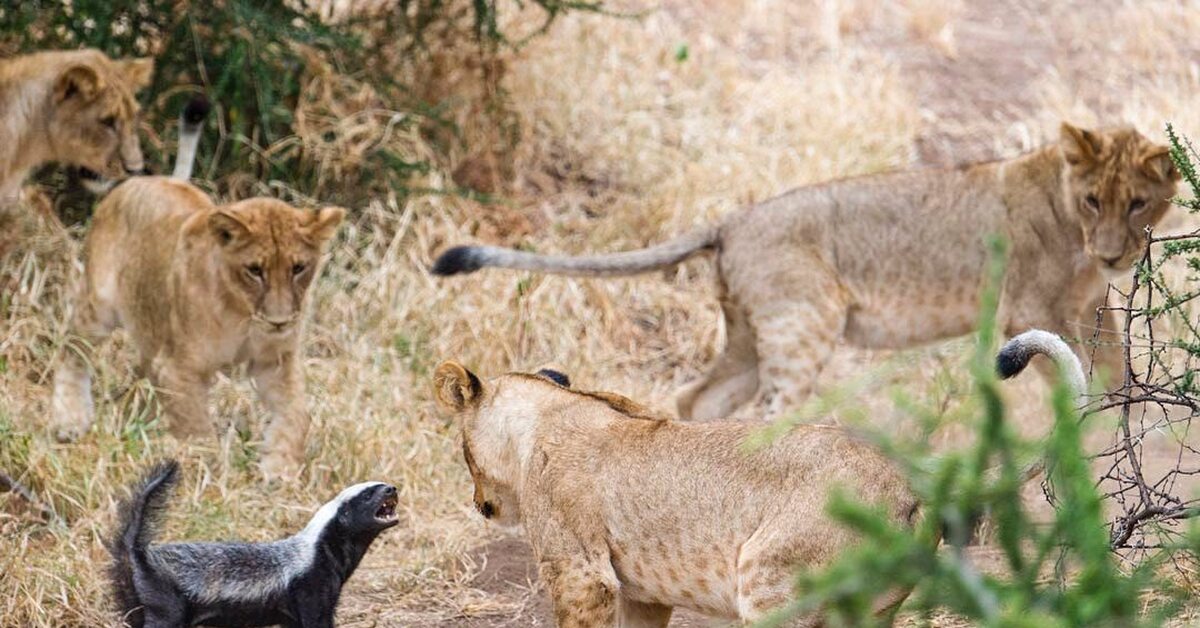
[{"x": 387, "y": 509}]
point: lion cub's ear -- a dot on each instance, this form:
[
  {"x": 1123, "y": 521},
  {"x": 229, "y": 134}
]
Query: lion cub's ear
[
  {"x": 137, "y": 72},
  {"x": 1081, "y": 146},
  {"x": 455, "y": 387},
  {"x": 226, "y": 227},
  {"x": 324, "y": 223},
  {"x": 1157, "y": 165},
  {"x": 77, "y": 81}
]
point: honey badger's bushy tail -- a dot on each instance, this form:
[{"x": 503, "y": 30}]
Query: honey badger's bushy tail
[
  {"x": 468, "y": 259},
  {"x": 1014, "y": 356},
  {"x": 140, "y": 515}
]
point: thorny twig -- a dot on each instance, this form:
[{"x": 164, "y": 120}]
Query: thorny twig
[{"x": 1161, "y": 396}]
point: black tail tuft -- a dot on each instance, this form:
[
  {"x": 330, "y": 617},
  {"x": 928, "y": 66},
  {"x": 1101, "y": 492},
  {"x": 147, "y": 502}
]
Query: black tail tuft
[
  {"x": 197, "y": 109},
  {"x": 456, "y": 261},
  {"x": 1012, "y": 359},
  {"x": 555, "y": 376},
  {"x": 140, "y": 515}
]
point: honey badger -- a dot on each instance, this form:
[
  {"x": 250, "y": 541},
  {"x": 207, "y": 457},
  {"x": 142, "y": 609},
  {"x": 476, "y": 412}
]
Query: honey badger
[{"x": 294, "y": 582}]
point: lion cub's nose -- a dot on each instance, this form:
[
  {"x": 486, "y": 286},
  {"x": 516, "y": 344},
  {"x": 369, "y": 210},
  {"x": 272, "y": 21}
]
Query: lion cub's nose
[{"x": 279, "y": 324}]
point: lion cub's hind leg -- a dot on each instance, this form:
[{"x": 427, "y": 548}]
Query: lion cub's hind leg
[
  {"x": 732, "y": 379},
  {"x": 796, "y": 331},
  {"x": 72, "y": 409}
]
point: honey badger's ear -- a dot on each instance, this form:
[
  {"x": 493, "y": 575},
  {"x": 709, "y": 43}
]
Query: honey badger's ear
[
  {"x": 1157, "y": 165},
  {"x": 1081, "y": 146},
  {"x": 455, "y": 387}
]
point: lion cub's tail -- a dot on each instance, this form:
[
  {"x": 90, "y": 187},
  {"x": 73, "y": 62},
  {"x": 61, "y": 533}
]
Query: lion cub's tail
[
  {"x": 468, "y": 259},
  {"x": 191, "y": 122},
  {"x": 1014, "y": 356}
]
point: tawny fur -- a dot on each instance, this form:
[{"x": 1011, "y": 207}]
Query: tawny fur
[
  {"x": 200, "y": 287},
  {"x": 895, "y": 260},
  {"x": 630, "y": 515},
  {"x": 72, "y": 107}
]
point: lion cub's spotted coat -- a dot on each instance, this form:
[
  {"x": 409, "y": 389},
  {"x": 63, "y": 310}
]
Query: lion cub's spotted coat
[
  {"x": 894, "y": 260},
  {"x": 630, "y": 514},
  {"x": 75, "y": 107},
  {"x": 200, "y": 287}
]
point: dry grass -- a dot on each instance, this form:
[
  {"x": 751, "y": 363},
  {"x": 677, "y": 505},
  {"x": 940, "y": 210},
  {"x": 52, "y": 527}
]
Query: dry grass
[{"x": 621, "y": 144}]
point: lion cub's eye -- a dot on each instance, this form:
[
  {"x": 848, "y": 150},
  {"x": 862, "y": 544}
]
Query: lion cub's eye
[
  {"x": 255, "y": 271},
  {"x": 1092, "y": 202},
  {"x": 1137, "y": 204},
  {"x": 297, "y": 269},
  {"x": 109, "y": 121}
]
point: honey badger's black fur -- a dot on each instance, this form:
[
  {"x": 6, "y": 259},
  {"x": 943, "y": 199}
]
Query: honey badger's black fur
[{"x": 294, "y": 582}]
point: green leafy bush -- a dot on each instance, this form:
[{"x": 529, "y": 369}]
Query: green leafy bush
[{"x": 332, "y": 107}]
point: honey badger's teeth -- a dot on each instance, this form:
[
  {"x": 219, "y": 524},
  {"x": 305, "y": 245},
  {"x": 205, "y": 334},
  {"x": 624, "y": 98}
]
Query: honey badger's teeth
[{"x": 387, "y": 510}]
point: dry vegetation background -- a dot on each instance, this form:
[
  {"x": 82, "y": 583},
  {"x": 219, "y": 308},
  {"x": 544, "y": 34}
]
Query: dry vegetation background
[{"x": 630, "y": 131}]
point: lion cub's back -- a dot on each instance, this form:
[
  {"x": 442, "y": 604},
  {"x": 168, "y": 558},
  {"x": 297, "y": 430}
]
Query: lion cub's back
[{"x": 135, "y": 229}]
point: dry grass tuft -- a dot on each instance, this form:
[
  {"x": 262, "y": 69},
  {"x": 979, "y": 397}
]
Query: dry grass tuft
[{"x": 620, "y": 143}]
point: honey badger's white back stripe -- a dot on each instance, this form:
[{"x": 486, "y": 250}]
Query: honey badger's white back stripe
[
  {"x": 312, "y": 532},
  {"x": 1014, "y": 356}
]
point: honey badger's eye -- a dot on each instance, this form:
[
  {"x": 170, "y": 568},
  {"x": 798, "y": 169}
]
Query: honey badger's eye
[
  {"x": 298, "y": 269},
  {"x": 1137, "y": 204},
  {"x": 255, "y": 271},
  {"x": 1091, "y": 201}
]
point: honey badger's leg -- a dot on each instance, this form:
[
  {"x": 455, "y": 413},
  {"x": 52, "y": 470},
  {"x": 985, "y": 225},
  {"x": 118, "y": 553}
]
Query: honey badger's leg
[
  {"x": 581, "y": 581},
  {"x": 164, "y": 618},
  {"x": 72, "y": 409},
  {"x": 640, "y": 615},
  {"x": 312, "y": 609},
  {"x": 732, "y": 379},
  {"x": 798, "y": 316},
  {"x": 280, "y": 385}
]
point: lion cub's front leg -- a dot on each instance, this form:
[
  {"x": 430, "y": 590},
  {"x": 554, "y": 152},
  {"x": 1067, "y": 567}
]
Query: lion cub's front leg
[
  {"x": 281, "y": 387},
  {"x": 184, "y": 394}
]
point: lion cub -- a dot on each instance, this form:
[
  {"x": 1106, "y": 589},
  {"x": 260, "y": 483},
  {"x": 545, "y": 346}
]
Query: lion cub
[
  {"x": 200, "y": 287},
  {"x": 74, "y": 107},
  {"x": 630, "y": 514},
  {"x": 895, "y": 260}
]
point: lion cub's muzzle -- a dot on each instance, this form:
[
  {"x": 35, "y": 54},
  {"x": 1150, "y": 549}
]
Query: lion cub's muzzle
[{"x": 275, "y": 325}]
